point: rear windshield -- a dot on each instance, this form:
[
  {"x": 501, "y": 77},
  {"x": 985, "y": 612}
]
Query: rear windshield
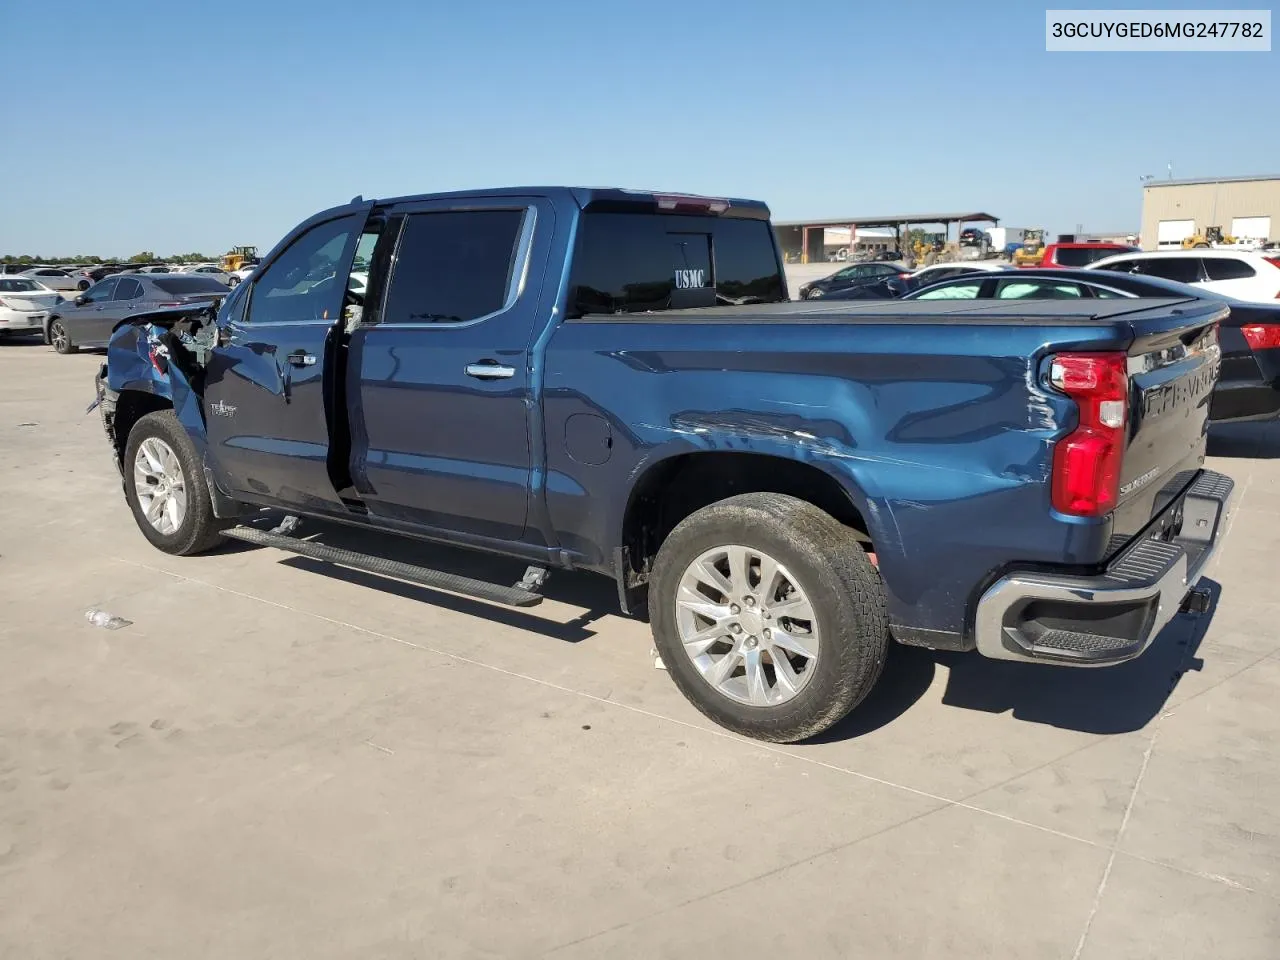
[
  {"x": 15, "y": 285},
  {"x": 1083, "y": 256},
  {"x": 632, "y": 262},
  {"x": 180, "y": 283}
]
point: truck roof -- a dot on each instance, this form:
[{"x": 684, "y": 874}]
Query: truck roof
[{"x": 594, "y": 197}]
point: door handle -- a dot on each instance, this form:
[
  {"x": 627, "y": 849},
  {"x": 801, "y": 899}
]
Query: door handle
[
  {"x": 300, "y": 359},
  {"x": 489, "y": 370}
]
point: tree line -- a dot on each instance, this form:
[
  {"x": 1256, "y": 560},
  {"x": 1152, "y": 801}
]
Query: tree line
[{"x": 146, "y": 256}]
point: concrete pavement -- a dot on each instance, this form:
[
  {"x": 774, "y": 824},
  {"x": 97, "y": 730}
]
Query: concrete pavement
[{"x": 277, "y": 759}]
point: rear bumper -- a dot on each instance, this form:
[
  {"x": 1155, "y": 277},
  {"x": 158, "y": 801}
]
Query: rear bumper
[{"x": 1114, "y": 616}]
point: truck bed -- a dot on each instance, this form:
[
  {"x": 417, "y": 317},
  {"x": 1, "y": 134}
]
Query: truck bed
[{"x": 977, "y": 312}]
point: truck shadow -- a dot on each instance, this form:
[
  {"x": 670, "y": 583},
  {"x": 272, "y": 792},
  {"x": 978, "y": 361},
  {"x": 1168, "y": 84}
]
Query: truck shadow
[
  {"x": 1245, "y": 440},
  {"x": 1107, "y": 700}
]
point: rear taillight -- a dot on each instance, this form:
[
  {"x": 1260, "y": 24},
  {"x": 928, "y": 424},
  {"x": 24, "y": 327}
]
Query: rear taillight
[
  {"x": 1276, "y": 261},
  {"x": 1262, "y": 336},
  {"x": 1086, "y": 462}
]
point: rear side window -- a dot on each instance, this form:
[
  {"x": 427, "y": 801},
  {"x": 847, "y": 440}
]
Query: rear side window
[
  {"x": 181, "y": 283},
  {"x": 1182, "y": 269},
  {"x": 1081, "y": 256},
  {"x": 633, "y": 262},
  {"x": 453, "y": 266},
  {"x": 127, "y": 289},
  {"x": 19, "y": 286},
  {"x": 960, "y": 290},
  {"x": 1037, "y": 290},
  {"x": 1227, "y": 268}
]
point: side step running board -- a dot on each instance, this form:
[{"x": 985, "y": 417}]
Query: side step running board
[{"x": 511, "y": 596}]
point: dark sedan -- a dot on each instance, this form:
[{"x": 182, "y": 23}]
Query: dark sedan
[
  {"x": 853, "y": 275},
  {"x": 88, "y": 320},
  {"x": 1249, "y": 383}
]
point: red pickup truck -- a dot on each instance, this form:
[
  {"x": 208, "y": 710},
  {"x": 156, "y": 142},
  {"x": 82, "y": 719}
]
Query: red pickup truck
[{"x": 1078, "y": 254}]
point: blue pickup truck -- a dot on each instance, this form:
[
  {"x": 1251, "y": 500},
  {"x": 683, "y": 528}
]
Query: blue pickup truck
[{"x": 615, "y": 381}]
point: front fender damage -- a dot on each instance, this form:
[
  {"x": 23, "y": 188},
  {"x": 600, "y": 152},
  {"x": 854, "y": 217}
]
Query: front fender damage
[{"x": 160, "y": 359}]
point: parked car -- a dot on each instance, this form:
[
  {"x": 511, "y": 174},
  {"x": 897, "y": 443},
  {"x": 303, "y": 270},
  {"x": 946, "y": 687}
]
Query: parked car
[
  {"x": 87, "y": 320},
  {"x": 888, "y": 288},
  {"x": 51, "y": 277},
  {"x": 153, "y": 268},
  {"x": 205, "y": 270},
  {"x": 24, "y": 304},
  {"x": 1249, "y": 336},
  {"x": 237, "y": 277},
  {"x": 785, "y": 487},
  {"x": 1077, "y": 254},
  {"x": 850, "y": 276},
  {"x": 945, "y": 271},
  {"x": 1245, "y": 276}
]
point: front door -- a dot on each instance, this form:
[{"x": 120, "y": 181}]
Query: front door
[
  {"x": 267, "y": 402},
  {"x": 90, "y": 318},
  {"x": 439, "y": 380}
]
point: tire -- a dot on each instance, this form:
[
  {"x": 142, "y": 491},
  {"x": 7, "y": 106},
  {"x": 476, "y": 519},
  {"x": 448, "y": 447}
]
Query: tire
[
  {"x": 1202, "y": 246},
  {"x": 824, "y": 564},
  {"x": 233, "y": 281},
  {"x": 197, "y": 529},
  {"x": 60, "y": 339},
  {"x": 83, "y": 285}
]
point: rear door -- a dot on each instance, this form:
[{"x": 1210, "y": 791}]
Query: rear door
[
  {"x": 439, "y": 379},
  {"x": 268, "y": 408}
]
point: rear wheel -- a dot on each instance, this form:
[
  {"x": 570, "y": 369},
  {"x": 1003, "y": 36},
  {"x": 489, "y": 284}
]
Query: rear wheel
[
  {"x": 59, "y": 338},
  {"x": 83, "y": 285},
  {"x": 166, "y": 487},
  {"x": 769, "y": 616}
]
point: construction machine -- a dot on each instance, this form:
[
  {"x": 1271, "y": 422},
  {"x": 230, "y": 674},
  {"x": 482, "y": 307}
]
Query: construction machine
[
  {"x": 239, "y": 257},
  {"x": 1211, "y": 237},
  {"x": 1032, "y": 250}
]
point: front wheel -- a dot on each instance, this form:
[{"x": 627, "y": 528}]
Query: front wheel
[
  {"x": 83, "y": 285},
  {"x": 769, "y": 616},
  {"x": 166, "y": 488},
  {"x": 59, "y": 338},
  {"x": 232, "y": 281}
]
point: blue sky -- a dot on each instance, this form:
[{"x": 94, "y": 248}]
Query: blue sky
[{"x": 174, "y": 126}]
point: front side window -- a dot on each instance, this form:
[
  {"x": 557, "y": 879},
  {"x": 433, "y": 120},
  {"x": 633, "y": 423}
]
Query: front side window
[
  {"x": 452, "y": 266},
  {"x": 1037, "y": 290},
  {"x": 101, "y": 291},
  {"x": 306, "y": 282},
  {"x": 953, "y": 291},
  {"x": 1228, "y": 268},
  {"x": 1120, "y": 266},
  {"x": 1182, "y": 269},
  {"x": 1082, "y": 256}
]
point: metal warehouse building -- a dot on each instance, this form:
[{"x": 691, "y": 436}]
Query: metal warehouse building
[{"x": 1245, "y": 207}]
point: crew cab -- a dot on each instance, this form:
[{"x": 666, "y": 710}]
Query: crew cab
[{"x": 614, "y": 381}]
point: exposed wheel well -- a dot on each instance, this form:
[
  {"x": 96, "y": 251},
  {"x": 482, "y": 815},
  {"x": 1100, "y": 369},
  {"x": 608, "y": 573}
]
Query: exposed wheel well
[
  {"x": 132, "y": 406},
  {"x": 675, "y": 488}
]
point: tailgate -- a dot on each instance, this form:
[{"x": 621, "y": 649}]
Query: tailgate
[{"x": 1174, "y": 364}]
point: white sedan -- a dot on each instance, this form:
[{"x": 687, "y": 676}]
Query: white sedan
[
  {"x": 1232, "y": 273},
  {"x": 24, "y": 303},
  {"x": 938, "y": 272},
  {"x": 207, "y": 270}
]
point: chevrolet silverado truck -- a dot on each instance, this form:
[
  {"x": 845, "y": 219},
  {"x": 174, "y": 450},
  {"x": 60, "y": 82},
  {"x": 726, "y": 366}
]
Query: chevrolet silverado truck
[{"x": 615, "y": 381}]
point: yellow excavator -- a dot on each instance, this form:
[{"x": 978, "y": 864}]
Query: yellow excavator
[
  {"x": 1032, "y": 250},
  {"x": 1210, "y": 237},
  {"x": 237, "y": 257}
]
